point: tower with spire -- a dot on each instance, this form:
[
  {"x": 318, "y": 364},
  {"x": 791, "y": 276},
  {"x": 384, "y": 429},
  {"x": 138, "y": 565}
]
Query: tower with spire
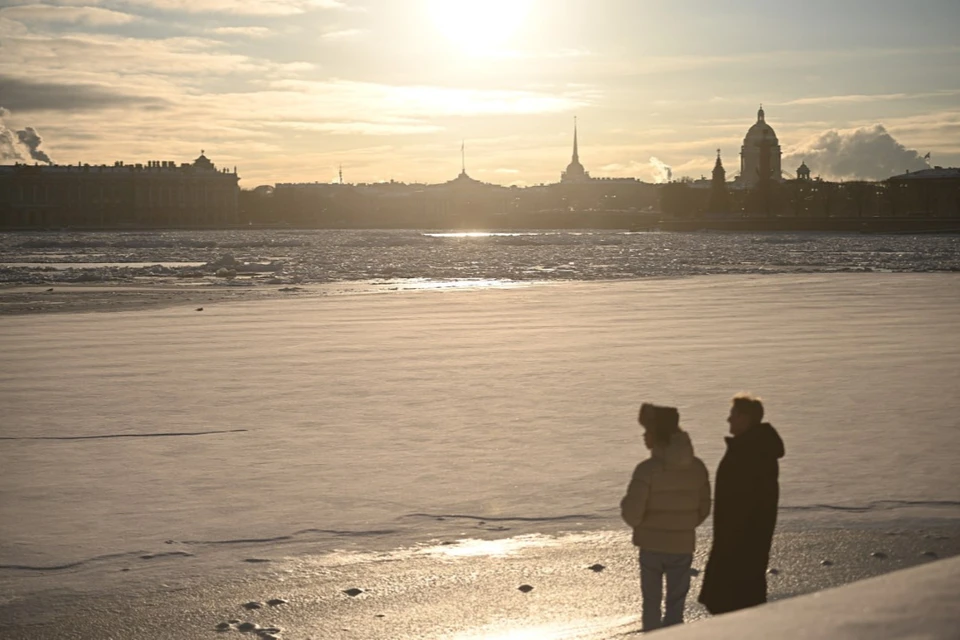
[
  {"x": 719, "y": 200},
  {"x": 463, "y": 178},
  {"x": 575, "y": 171}
]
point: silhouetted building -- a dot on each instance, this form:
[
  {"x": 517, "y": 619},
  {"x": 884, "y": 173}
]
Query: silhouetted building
[
  {"x": 933, "y": 192},
  {"x": 803, "y": 171},
  {"x": 155, "y": 194},
  {"x": 575, "y": 171},
  {"x": 719, "y": 199},
  {"x": 760, "y": 154}
]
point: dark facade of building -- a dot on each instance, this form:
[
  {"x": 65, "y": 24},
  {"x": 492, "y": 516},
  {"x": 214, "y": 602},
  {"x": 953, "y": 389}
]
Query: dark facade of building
[
  {"x": 156, "y": 194},
  {"x": 461, "y": 203},
  {"x": 931, "y": 192}
]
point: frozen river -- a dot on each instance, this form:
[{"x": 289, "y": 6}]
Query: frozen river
[
  {"x": 311, "y": 424},
  {"x": 284, "y": 257}
]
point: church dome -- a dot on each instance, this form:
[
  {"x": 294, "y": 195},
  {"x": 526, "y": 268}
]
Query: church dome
[{"x": 760, "y": 132}]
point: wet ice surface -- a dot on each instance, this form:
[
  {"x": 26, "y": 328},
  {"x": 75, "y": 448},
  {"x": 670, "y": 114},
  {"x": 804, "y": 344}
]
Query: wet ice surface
[
  {"x": 273, "y": 257},
  {"x": 466, "y": 590}
]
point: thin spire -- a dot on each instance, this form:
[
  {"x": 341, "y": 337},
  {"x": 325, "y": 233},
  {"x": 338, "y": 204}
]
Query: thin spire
[
  {"x": 576, "y": 154},
  {"x": 463, "y": 158},
  {"x": 341, "y": 174}
]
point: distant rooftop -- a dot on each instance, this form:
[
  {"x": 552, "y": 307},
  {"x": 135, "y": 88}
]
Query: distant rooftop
[
  {"x": 202, "y": 163},
  {"x": 938, "y": 173}
]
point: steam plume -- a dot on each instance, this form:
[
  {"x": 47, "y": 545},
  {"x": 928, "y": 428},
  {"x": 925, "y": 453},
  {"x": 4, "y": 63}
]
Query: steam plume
[
  {"x": 32, "y": 140},
  {"x": 661, "y": 171},
  {"x": 22, "y": 145}
]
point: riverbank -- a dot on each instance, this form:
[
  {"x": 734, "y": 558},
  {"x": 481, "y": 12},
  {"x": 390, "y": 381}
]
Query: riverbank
[
  {"x": 445, "y": 589},
  {"x": 780, "y": 224}
]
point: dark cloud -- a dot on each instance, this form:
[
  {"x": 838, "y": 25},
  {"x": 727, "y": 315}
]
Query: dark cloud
[
  {"x": 28, "y": 95},
  {"x": 868, "y": 153}
]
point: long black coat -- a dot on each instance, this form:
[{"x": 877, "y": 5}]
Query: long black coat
[{"x": 744, "y": 517}]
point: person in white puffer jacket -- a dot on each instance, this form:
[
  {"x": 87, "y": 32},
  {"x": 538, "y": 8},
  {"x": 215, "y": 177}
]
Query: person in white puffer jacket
[{"x": 667, "y": 499}]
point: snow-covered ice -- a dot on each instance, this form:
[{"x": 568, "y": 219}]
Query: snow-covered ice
[
  {"x": 310, "y": 424},
  {"x": 913, "y": 603}
]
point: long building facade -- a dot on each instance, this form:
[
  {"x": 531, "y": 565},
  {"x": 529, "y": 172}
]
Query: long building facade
[{"x": 155, "y": 194}]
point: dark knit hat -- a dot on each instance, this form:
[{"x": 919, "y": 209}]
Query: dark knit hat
[{"x": 663, "y": 420}]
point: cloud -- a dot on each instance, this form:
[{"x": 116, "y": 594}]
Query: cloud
[
  {"x": 343, "y": 34},
  {"x": 248, "y": 32},
  {"x": 243, "y": 7},
  {"x": 857, "y": 98},
  {"x": 935, "y": 131},
  {"x": 131, "y": 62},
  {"x": 360, "y": 128},
  {"x": 28, "y": 95},
  {"x": 90, "y": 16},
  {"x": 867, "y": 153},
  {"x": 546, "y": 54},
  {"x": 381, "y": 102}
]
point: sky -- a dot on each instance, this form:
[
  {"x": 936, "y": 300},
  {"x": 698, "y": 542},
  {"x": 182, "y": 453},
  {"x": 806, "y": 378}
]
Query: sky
[{"x": 291, "y": 90}]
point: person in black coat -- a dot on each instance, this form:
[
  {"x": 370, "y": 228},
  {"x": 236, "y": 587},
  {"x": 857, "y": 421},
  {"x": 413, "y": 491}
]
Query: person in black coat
[{"x": 744, "y": 511}]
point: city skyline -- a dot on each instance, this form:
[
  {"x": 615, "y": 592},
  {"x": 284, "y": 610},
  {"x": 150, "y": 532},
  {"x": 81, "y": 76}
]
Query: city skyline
[{"x": 290, "y": 90}]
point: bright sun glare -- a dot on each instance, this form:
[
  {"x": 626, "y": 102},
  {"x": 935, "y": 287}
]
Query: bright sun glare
[{"x": 479, "y": 26}]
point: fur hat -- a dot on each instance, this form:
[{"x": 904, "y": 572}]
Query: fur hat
[{"x": 664, "y": 421}]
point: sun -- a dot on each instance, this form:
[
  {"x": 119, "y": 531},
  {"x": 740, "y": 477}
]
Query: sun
[{"x": 479, "y": 26}]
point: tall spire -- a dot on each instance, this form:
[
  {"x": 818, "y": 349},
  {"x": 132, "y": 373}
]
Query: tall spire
[
  {"x": 718, "y": 202},
  {"x": 719, "y": 173},
  {"x": 576, "y": 154},
  {"x": 575, "y": 171},
  {"x": 463, "y": 159},
  {"x": 760, "y": 116}
]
